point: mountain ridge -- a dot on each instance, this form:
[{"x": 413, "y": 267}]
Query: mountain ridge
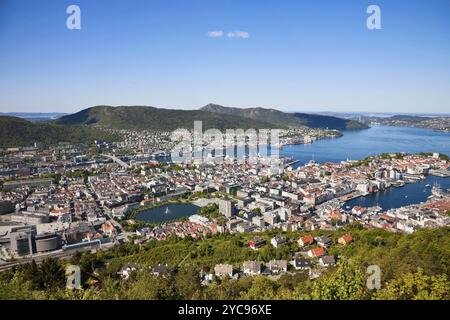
[
  {"x": 212, "y": 115},
  {"x": 151, "y": 118},
  {"x": 290, "y": 119},
  {"x": 86, "y": 125}
]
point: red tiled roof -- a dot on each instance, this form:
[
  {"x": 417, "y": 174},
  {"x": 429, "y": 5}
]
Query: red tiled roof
[
  {"x": 307, "y": 239},
  {"x": 347, "y": 238},
  {"x": 317, "y": 252}
]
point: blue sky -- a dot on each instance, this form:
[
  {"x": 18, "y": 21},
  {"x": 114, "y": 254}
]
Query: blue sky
[{"x": 299, "y": 55}]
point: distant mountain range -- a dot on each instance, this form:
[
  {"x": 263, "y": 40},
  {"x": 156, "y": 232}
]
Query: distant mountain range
[
  {"x": 84, "y": 126},
  {"x": 358, "y": 115},
  {"x": 440, "y": 123},
  {"x": 34, "y": 116}
]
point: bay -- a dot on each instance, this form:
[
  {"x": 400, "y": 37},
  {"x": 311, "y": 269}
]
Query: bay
[
  {"x": 411, "y": 193},
  {"x": 355, "y": 145}
]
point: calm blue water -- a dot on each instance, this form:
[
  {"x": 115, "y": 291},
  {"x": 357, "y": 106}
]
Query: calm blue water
[
  {"x": 159, "y": 214},
  {"x": 356, "y": 145},
  {"x": 412, "y": 193}
]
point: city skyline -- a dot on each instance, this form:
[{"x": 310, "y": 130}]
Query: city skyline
[{"x": 292, "y": 56}]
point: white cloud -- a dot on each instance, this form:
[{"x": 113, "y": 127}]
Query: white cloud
[
  {"x": 238, "y": 34},
  {"x": 215, "y": 34}
]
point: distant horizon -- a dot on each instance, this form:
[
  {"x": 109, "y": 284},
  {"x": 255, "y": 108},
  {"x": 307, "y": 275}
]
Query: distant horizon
[{"x": 309, "y": 111}]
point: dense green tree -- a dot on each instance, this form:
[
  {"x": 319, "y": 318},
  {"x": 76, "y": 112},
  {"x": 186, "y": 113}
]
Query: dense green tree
[
  {"x": 149, "y": 287},
  {"x": 262, "y": 288},
  {"x": 52, "y": 275},
  {"x": 347, "y": 282},
  {"x": 416, "y": 286},
  {"x": 187, "y": 283},
  {"x": 30, "y": 273},
  {"x": 111, "y": 289},
  {"x": 15, "y": 289},
  {"x": 205, "y": 249},
  {"x": 228, "y": 289}
]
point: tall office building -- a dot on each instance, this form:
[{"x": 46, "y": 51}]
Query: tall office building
[{"x": 226, "y": 208}]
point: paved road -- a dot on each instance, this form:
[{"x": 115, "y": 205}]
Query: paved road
[{"x": 117, "y": 160}]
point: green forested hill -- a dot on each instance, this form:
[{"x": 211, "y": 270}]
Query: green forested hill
[
  {"x": 84, "y": 126},
  {"x": 289, "y": 119},
  {"x": 213, "y": 116},
  {"x": 330, "y": 122},
  {"x": 141, "y": 117},
  {"x": 16, "y": 132},
  {"x": 261, "y": 114}
]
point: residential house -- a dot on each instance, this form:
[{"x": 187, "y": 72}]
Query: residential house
[
  {"x": 301, "y": 263},
  {"x": 327, "y": 261},
  {"x": 324, "y": 241},
  {"x": 316, "y": 252},
  {"x": 277, "y": 241},
  {"x": 221, "y": 270},
  {"x": 277, "y": 266},
  {"x": 305, "y": 241},
  {"x": 256, "y": 243},
  {"x": 251, "y": 267},
  {"x": 345, "y": 239}
]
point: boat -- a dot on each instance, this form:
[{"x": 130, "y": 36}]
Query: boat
[
  {"x": 167, "y": 210},
  {"x": 428, "y": 185},
  {"x": 436, "y": 190}
]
